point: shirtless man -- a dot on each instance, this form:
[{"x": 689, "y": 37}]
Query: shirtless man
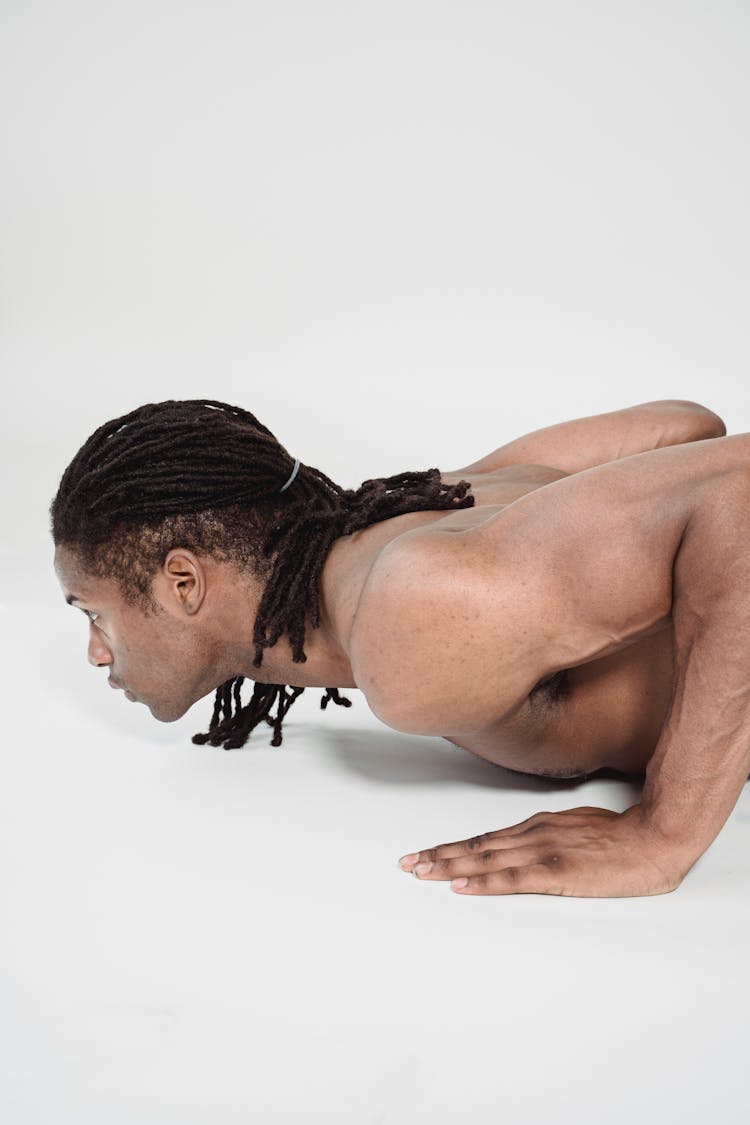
[{"x": 591, "y": 610}]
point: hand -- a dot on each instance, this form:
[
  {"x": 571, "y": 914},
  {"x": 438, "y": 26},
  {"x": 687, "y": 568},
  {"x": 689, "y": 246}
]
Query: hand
[{"x": 585, "y": 853}]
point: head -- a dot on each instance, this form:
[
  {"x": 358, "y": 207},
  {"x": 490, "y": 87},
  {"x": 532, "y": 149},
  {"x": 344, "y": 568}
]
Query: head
[
  {"x": 180, "y": 647},
  {"x": 165, "y": 512}
]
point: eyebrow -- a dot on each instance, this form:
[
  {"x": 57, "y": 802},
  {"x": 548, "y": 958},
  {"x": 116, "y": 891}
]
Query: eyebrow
[{"x": 73, "y": 598}]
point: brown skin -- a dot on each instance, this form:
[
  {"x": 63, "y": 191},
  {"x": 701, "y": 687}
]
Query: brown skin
[
  {"x": 166, "y": 660},
  {"x": 199, "y": 638},
  {"x": 197, "y": 641},
  {"x": 609, "y": 556}
]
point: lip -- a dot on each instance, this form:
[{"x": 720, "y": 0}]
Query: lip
[{"x": 118, "y": 687}]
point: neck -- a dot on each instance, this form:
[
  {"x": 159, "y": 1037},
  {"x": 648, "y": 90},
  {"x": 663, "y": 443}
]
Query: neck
[
  {"x": 343, "y": 578},
  {"x": 327, "y": 647}
]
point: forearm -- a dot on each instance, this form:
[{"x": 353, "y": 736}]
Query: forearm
[
  {"x": 702, "y": 759},
  {"x": 584, "y": 442}
]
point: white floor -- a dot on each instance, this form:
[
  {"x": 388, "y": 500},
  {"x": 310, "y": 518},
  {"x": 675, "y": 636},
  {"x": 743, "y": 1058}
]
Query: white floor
[
  {"x": 194, "y": 935},
  {"x": 401, "y": 234}
]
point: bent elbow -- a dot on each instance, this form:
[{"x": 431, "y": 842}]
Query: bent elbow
[
  {"x": 714, "y": 425},
  {"x": 685, "y": 421},
  {"x": 706, "y": 423}
]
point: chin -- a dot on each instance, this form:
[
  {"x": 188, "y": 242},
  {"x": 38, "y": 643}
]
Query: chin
[{"x": 166, "y": 713}]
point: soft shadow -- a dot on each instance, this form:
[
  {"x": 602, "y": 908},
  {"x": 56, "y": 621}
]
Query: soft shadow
[{"x": 388, "y": 757}]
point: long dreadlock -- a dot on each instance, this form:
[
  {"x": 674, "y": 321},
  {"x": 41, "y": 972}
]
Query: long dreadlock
[{"x": 207, "y": 476}]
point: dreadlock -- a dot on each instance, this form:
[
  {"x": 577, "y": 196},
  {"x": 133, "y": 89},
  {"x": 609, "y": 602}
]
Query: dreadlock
[{"x": 206, "y": 476}]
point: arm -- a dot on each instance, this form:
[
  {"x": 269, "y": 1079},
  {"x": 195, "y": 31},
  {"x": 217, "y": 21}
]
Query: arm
[
  {"x": 585, "y": 442},
  {"x": 623, "y": 547},
  {"x": 702, "y": 759}
]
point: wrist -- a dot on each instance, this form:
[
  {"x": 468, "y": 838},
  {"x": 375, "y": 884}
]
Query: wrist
[{"x": 670, "y": 837}]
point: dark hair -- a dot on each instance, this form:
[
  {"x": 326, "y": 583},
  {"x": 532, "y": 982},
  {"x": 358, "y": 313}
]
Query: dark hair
[{"x": 207, "y": 476}]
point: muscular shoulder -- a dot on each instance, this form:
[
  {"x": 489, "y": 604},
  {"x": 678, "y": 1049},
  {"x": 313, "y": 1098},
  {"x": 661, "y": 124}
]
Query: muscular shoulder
[
  {"x": 454, "y": 630},
  {"x": 430, "y": 617}
]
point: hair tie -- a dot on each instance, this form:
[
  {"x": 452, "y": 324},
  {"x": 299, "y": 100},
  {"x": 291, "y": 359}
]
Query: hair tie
[{"x": 295, "y": 470}]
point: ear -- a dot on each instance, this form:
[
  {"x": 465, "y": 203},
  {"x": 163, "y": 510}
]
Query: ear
[{"x": 181, "y": 581}]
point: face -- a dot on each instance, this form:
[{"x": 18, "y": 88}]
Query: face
[{"x": 166, "y": 661}]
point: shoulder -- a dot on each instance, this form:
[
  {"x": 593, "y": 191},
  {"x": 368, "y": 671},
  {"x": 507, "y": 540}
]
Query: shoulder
[
  {"x": 432, "y": 637},
  {"x": 455, "y": 628}
]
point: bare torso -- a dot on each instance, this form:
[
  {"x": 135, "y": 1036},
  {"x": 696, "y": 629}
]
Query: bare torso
[{"x": 605, "y": 714}]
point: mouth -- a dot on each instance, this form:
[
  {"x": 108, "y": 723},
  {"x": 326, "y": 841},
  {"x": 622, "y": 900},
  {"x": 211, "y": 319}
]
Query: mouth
[{"x": 118, "y": 687}]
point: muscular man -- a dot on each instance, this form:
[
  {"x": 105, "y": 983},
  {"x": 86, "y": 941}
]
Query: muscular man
[{"x": 577, "y": 600}]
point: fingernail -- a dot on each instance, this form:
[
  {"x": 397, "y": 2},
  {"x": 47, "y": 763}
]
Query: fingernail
[
  {"x": 408, "y": 861},
  {"x": 423, "y": 869},
  {"x": 459, "y": 884}
]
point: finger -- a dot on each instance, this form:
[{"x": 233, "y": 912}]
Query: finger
[
  {"x": 491, "y": 860},
  {"x": 498, "y": 838},
  {"x": 502, "y": 837},
  {"x": 536, "y": 879}
]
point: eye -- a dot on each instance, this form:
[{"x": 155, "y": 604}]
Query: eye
[{"x": 91, "y": 614}]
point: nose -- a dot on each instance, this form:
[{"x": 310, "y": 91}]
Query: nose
[{"x": 98, "y": 653}]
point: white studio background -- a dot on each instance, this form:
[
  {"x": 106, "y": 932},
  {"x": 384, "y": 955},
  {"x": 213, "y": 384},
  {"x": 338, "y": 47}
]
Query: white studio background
[{"x": 401, "y": 234}]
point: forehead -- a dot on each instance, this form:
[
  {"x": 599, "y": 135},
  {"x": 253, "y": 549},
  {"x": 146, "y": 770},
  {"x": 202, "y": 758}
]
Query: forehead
[{"x": 76, "y": 583}]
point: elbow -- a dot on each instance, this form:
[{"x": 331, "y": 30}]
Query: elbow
[
  {"x": 712, "y": 423},
  {"x": 704, "y": 423},
  {"x": 685, "y": 421}
]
